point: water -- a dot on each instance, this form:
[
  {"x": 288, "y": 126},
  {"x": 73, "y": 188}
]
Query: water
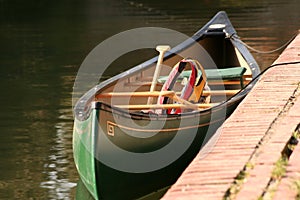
[{"x": 42, "y": 44}]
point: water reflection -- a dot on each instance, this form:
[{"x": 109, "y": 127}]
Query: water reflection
[
  {"x": 59, "y": 170},
  {"x": 58, "y": 165}
]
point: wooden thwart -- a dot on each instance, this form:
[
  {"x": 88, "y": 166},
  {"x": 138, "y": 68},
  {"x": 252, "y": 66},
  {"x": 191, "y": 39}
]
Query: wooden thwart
[
  {"x": 232, "y": 82},
  {"x": 135, "y": 94},
  {"x": 163, "y": 93},
  {"x": 171, "y": 94},
  {"x": 163, "y": 106},
  {"x": 210, "y": 82},
  {"x": 220, "y": 92}
]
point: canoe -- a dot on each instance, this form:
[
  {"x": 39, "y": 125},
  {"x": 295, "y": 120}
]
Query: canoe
[{"x": 135, "y": 133}]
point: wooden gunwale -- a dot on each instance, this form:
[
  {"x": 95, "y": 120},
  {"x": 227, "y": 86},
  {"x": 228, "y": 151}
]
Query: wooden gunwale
[{"x": 215, "y": 82}]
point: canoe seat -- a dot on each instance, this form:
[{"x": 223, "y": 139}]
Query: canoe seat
[{"x": 232, "y": 73}]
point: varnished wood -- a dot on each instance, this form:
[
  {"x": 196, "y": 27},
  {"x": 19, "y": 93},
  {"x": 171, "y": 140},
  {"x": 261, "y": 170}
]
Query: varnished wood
[
  {"x": 233, "y": 82},
  {"x": 220, "y": 92},
  {"x": 164, "y": 93},
  {"x": 162, "y": 106},
  {"x": 135, "y": 94},
  {"x": 214, "y": 82},
  {"x": 161, "y": 49}
]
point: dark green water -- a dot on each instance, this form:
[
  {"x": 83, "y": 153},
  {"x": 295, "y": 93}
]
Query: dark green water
[{"x": 42, "y": 44}]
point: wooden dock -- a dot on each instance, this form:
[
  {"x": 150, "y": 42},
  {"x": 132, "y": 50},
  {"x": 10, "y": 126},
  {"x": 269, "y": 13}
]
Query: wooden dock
[{"x": 255, "y": 154}]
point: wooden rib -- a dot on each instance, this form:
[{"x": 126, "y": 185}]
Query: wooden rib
[
  {"x": 164, "y": 93},
  {"x": 146, "y": 78},
  {"x": 162, "y": 106}
]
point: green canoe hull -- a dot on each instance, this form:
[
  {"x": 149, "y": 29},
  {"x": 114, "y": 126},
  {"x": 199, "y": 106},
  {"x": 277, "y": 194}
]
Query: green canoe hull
[
  {"x": 83, "y": 151},
  {"x": 112, "y": 178}
]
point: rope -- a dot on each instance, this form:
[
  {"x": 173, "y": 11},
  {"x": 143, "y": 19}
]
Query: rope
[{"x": 234, "y": 36}]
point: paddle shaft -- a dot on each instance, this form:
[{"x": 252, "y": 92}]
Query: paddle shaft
[{"x": 161, "y": 49}]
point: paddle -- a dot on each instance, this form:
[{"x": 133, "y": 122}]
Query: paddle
[{"x": 161, "y": 49}]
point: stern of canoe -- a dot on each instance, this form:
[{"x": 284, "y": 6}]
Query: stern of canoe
[{"x": 83, "y": 148}]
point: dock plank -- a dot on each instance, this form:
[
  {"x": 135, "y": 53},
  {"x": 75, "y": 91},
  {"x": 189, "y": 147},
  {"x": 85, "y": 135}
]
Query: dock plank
[{"x": 256, "y": 132}]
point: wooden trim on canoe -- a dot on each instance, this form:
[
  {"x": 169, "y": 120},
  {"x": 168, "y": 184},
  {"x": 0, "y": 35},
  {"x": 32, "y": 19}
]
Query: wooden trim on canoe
[
  {"x": 237, "y": 82},
  {"x": 210, "y": 82},
  {"x": 170, "y": 94},
  {"x": 247, "y": 76},
  {"x": 220, "y": 92},
  {"x": 163, "y": 93},
  {"x": 163, "y": 106}
]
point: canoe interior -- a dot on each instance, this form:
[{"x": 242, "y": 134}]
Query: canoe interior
[{"x": 218, "y": 53}]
